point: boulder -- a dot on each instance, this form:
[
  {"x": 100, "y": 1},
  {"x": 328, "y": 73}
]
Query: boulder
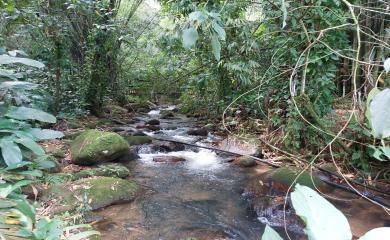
[
  {"x": 94, "y": 146},
  {"x": 96, "y": 192},
  {"x": 245, "y": 161},
  {"x": 166, "y": 114},
  {"x": 168, "y": 159},
  {"x": 153, "y": 127},
  {"x": 198, "y": 132},
  {"x": 283, "y": 177},
  {"x": 167, "y": 147},
  {"x": 104, "y": 170},
  {"x": 153, "y": 122},
  {"x": 138, "y": 140}
]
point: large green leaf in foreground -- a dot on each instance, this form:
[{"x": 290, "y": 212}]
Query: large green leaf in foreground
[
  {"x": 323, "y": 220},
  {"x": 270, "y": 234},
  {"x": 380, "y": 114},
  {"x": 25, "y": 113}
]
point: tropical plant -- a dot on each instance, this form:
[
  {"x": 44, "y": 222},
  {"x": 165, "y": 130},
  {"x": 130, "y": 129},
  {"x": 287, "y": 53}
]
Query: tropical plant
[{"x": 323, "y": 221}]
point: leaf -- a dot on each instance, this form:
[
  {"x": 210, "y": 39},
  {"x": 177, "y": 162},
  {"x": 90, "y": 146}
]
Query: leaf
[
  {"x": 386, "y": 65},
  {"x": 44, "y": 134},
  {"x": 284, "y": 10},
  {"x": 190, "y": 36},
  {"x": 386, "y": 151},
  {"x": 370, "y": 96},
  {"x": 32, "y": 145},
  {"x": 381, "y": 233},
  {"x": 11, "y": 152},
  {"x": 323, "y": 220},
  {"x": 83, "y": 235},
  {"x": 216, "y": 46},
  {"x": 25, "y": 113},
  {"x": 380, "y": 114},
  {"x": 219, "y": 30},
  {"x": 197, "y": 16},
  {"x": 6, "y": 59},
  {"x": 270, "y": 234}
]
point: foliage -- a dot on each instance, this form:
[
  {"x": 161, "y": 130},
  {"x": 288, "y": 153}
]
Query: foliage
[{"x": 322, "y": 219}]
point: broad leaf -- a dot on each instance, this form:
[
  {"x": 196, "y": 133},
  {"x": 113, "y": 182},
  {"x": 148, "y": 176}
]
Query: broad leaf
[
  {"x": 25, "y": 113},
  {"x": 323, "y": 220},
  {"x": 382, "y": 233},
  {"x": 6, "y": 59},
  {"x": 10, "y": 74},
  {"x": 197, "y": 16},
  {"x": 216, "y": 46},
  {"x": 386, "y": 65},
  {"x": 11, "y": 152},
  {"x": 190, "y": 36},
  {"x": 380, "y": 114},
  {"x": 44, "y": 134},
  {"x": 83, "y": 235},
  {"x": 32, "y": 145},
  {"x": 270, "y": 234},
  {"x": 219, "y": 30}
]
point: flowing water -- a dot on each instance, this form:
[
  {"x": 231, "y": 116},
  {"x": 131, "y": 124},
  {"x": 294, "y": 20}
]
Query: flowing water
[{"x": 199, "y": 198}]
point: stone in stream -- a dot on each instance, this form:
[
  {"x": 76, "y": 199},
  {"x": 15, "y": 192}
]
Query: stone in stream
[
  {"x": 97, "y": 192},
  {"x": 166, "y": 114},
  {"x": 153, "y": 122},
  {"x": 93, "y": 147},
  {"x": 168, "y": 159},
  {"x": 153, "y": 127},
  {"x": 160, "y": 146},
  {"x": 198, "y": 132},
  {"x": 245, "y": 161},
  {"x": 138, "y": 140}
]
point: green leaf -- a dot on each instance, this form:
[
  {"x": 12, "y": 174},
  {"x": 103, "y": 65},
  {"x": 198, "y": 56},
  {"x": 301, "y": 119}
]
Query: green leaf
[
  {"x": 216, "y": 46},
  {"x": 190, "y": 36},
  {"x": 380, "y": 114},
  {"x": 323, "y": 220},
  {"x": 381, "y": 233},
  {"x": 219, "y": 30},
  {"x": 270, "y": 234},
  {"x": 44, "y": 134},
  {"x": 6, "y": 59},
  {"x": 25, "y": 113},
  {"x": 197, "y": 16},
  {"x": 386, "y": 151},
  {"x": 11, "y": 152},
  {"x": 83, "y": 235},
  {"x": 32, "y": 145}
]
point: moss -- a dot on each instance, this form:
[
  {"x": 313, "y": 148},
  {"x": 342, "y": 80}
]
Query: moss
[
  {"x": 245, "y": 161},
  {"x": 94, "y": 146},
  {"x": 106, "y": 170},
  {"x": 96, "y": 192},
  {"x": 138, "y": 140},
  {"x": 287, "y": 175}
]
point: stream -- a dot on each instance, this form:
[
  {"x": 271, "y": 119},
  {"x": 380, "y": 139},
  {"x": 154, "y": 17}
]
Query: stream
[{"x": 199, "y": 198}]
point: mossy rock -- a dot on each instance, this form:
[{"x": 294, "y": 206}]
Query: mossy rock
[
  {"x": 138, "y": 140},
  {"x": 245, "y": 161},
  {"x": 96, "y": 192},
  {"x": 106, "y": 170},
  {"x": 283, "y": 177},
  {"x": 94, "y": 146}
]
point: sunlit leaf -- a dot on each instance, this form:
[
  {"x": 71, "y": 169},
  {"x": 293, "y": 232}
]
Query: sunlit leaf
[
  {"x": 32, "y": 145},
  {"x": 219, "y": 30},
  {"x": 216, "y": 46},
  {"x": 382, "y": 233},
  {"x": 190, "y": 36},
  {"x": 270, "y": 234},
  {"x": 380, "y": 114},
  {"x": 323, "y": 220},
  {"x": 6, "y": 59},
  {"x": 44, "y": 134},
  {"x": 386, "y": 65},
  {"x": 11, "y": 152},
  {"x": 25, "y": 113}
]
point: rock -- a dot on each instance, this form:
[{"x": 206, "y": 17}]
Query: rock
[
  {"x": 104, "y": 170},
  {"x": 153, "y": 127},
  {"x": 210, "y": 127},
  {"x": 57, "y": 153},
  {"x": 96, "y": 192},
  {"x": 245, "y": 161},
  {"x": 94, "y": 146},
  {"x": 167, "y": 147},
  {"x": 139, "y": 133},
  {"x": 140, "y": 107},
  {"x": 153, "y": 122},
  {"x": 258, "y": 153},
  {"x": 283, "y": 177},
  {"x": 198, "y": 132},
  {"x": 138, "y": 140},
  {"x": 168, "y": 159},
  {"x": 166, "y": 114}
]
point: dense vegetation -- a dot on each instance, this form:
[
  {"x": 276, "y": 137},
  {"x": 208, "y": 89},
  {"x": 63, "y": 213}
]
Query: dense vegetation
[{"x": 309, "y": 79}]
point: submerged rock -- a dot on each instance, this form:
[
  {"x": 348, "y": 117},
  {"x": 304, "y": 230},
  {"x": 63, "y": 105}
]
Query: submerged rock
[
  {"x": 198, "y": 132},
  {"x": 166, "y": 114},
  {"x": 168, "y": 159},
  {"x": 153, "y": 122},
  {"x": 96, "y": 192},
  {"x": 93, "y": 146},
  {"x": 283, "y": 177},
  {"x": 138, "y": 140},
  {"x": 245, "y": 161}
]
